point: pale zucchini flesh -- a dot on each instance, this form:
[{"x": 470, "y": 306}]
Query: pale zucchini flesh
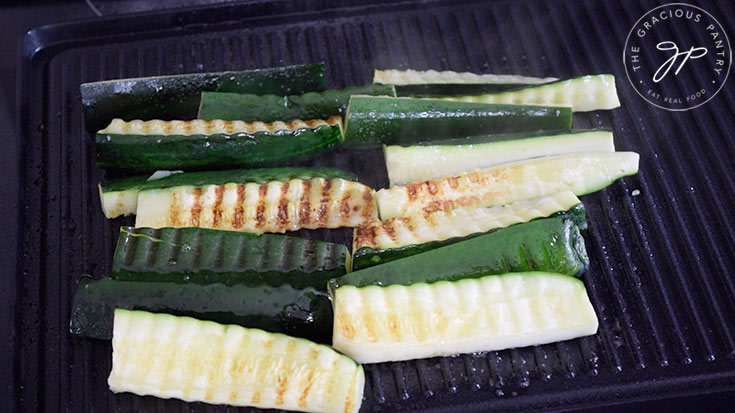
[
  {"x": 417, "y": 77},
  {"x": 270, "y": 207},
  {"x": 181, "y": 357},
  {"x": 120, "y": 196},
  {"x": 376, "y": 324},
  {"x": 503, "y": 184},
  {"x": 422, "y": 228},
  {"x": 208, "y": 127},
  {"x": 406, "y": 164},
  {"x": 583, "y": 94},
  {"x": 118, "y": 203}
]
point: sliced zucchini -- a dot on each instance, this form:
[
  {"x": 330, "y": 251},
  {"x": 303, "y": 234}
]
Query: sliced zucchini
[
  {"x": 284, "y": 309},
  {"x": 548, "y": 244},
  {"x": 416, "y": 163},
  {"x": 503, "y": 184},
  {"x": 145, "y": 146},
  {"x": 378, "y": 242},
  {"x": 376, "y": 324},
  {"x": 431, "y": 83},
  {"x": 374, "y": 121},
  {"x": 120, "y": 196},
  {"x": 583, "y": 94},
  {"x": 180, "y": 357},
  {"x": 209, "y": 256},
  {"x": 276, "y": 206},
  {"x": 172, "y": 97},
  {"x": 269, "y": 108},
  {"x": 418, "y": 77}
]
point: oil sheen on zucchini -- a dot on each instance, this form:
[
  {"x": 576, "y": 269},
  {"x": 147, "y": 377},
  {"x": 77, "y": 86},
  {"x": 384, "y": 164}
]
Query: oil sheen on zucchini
[
  {"x": 582, "y": 94},
  {"x": 200, "y": 255},
  {"x": 177, "y": 96},
  {"x": 120, "y": 196},
  {"x": 502, "y": 184},
  {"x": 146, "y": 146},
  {"x": 433, "y": 160},
  {"x": 548, "y": 244},
  {"x": 270, "y": 108},
  {"x": 374, "y": 121},
  {"x": 303, "y": 312},
  {"x": 378, "y": 242},
  {"x": 184, "y": 358},
  {"x": 276, "y": 206},
  {"x": 431, "y": 83},
  {"x": 376, "y": 324}
]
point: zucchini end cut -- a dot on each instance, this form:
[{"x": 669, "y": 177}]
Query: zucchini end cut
[{"x": 118, "y": 203}]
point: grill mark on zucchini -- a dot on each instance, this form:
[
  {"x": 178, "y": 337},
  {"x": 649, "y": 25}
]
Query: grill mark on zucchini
[
  {"x": 324, "y": 201},
  {"x": 503, "y": 184},
  {"x": 309, "y": 383},
  {"x": 237, "y": 219},
  {"x": 304, "y": 204},
  {"x": 196, "y": 209},
  {"x": 453, "y": 182},
  {"x": 282, "y": 215},
  {"x": 368, "y": 197},
  {"x": 173, "y": 212},
  {"x": 270, "y": 207},
  {"x": 344, "y": 205},
  {"x": 260, "y": 209},
  {"x": 216, "y": 211}
]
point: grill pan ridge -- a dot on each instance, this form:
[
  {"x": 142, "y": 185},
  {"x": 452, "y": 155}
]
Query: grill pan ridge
[{"x": 661, "y": 276}]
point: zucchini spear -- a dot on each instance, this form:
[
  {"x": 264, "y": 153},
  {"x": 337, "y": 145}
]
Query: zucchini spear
[
  {"x": 502, "y": 184},
  {"x": 147, "y": 146},
  {"x": 177, "y": 96},
  {"x": 377, "y": 242},
  {"x": 374, "y": 324},
  {"x": 120, "y": 196},
  {"x": 374, "y": 121},
  {"x": 198, "y": 255},
  {"x": 437, "y": 159},
  {"x": 192, "y": 360}
]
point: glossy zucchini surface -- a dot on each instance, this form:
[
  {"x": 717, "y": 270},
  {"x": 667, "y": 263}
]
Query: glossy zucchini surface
[
  {"x": 181, "y": 357},
  {"x": 177, "y": 96},
  {"x": 147, "y": 146}
]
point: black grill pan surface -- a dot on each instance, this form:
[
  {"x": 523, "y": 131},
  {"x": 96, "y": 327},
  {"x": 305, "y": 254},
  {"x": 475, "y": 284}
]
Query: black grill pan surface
[{"x": 661, "y": 243}]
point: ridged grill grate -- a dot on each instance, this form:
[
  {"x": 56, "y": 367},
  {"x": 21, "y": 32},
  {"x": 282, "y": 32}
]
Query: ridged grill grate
[{"x": 661, "y": 277}]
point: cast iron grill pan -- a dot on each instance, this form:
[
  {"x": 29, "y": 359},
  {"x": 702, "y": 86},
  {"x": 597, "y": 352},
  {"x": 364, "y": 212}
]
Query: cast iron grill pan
[{"x": 661, "y": 276}]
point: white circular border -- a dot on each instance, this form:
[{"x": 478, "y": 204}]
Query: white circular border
[{"x": 625, "y": 48}]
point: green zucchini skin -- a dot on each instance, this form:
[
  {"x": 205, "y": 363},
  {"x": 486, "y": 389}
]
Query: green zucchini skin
[
  {"x": 549, "y": 244},
  {"x": 199, "y": 255},
  {"x": 177, "y": 97},
  {"x": 374, "y": 121},
  {"x": 270, "y": 108},
  {"x": 135, "y": 153},
  {"x": 582, "y": 94},
  {"x": 299, "y": 312},
  {"x": 260, "y": 176},
  {"x": 453, "y": 89},
  {"x": 478, "y": 139},
  {"x": 367, "y": 257}
]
